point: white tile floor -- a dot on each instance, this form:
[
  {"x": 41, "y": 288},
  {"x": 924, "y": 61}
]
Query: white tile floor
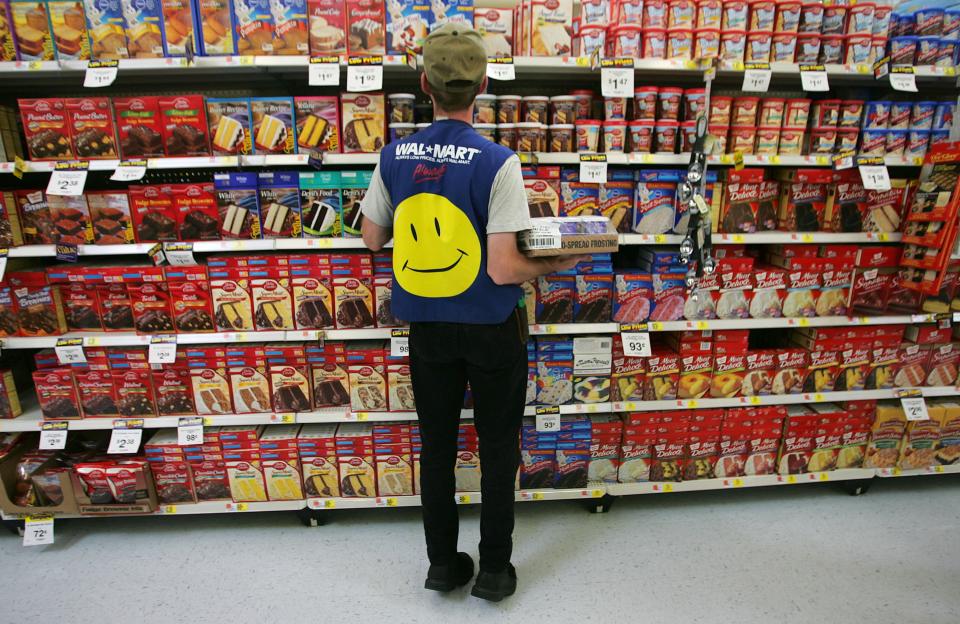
[{"x": 775, "y": 555}]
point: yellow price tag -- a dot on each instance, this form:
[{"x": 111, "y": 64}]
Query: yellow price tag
[
  {"x": 818, "y": 397},
  {"x": 737, "y": 238},
  {"x": 726, "y": 159},
  {"x": 791, "y": 479},
  {"x": 824, "y": 476},
  {"x": 738, "y": 483},
  {"x": 246, "y": 60},
  {"x": 597, "y": 493},
  {"x": 691, "y": 64},
  {"x": 656, "y": 326},
  {"x": 863, "y": 69},
  {"x": 803, "y": 321},
  {"x": 646, "y": 158},
  {"x": 240, "y": 507},
  {"x": 938, "y": 468},
  {"x": 550, "y": 329},
  {"x": 807, "y": 238},
  {"x": 583, "y": 61},
  {"x": 738, "y": 66},
  {"x": 660, "y": 238},
  {"x": 774, "y": 160},
  {"x": 362, "y": 415},
  {"x": 323, "y": 243},
  {"x": 822, "y": 160},
  {"x": 897, "y": 471},
  {"x": 329, "y": 503},
  {"x": 34, "y": 65},
  {"x": 537, "y": 496},
  {"x": 207, "y": 421},
  {"x": 592, "y": 408},
  {"x": 240, "y": 337},
  {"x": 755, "y": 400},
  {"x": 463, "y": 499},
  {"x": 629, "y": 406},
  {"x": 170, "y": 509},
  {"x": 691, "y": 403},
  {"x": 918, "y": 160},
  {"x": 703, "y": 325},
  {"x": 949, "y": 71},
  {"x": 667, "y": 487},
  {"x": 391, "y": 502},
  {"x": 883, "y": 237}
]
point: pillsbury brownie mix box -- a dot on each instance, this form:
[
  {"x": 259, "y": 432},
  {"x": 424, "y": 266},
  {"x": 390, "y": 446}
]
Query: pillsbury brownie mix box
[
  {"x": 144, "y": 28},
  {"x": 290, "y": 21},
  {"x": 255, "y": 27},
  {"x": 69, "y": 27},
  {"x": 106, "y": 28},
  {"x": 273, "y": 127},
  {"x": 217, "y": 28}
]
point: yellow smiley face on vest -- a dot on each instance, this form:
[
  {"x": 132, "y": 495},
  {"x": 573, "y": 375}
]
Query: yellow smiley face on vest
[{"x": 436, "y": 251}]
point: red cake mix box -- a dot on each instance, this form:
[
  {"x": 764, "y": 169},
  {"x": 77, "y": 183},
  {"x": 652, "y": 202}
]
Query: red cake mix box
[
  {"x": 663, "y": 375},
  {"x": 139, "y": 127},
  {"x": 190, "y": 298},
  {"x": 110, "y": 217},
  {"x": 804, "y": 199},
  {"x": 823, "y": 369},
  {"x": 790, "y": 367},
  {"x": 742, "y": 201},
  {"x": 695, "y": 374},
  {"x": 327, "y": 21},
  {"x": 38, "y": 304},
  {"x": 47, "y": 129},
  {"x": 883, "y": 367},
  {"x": 759, "y": 372},
  {"x": 173, "y": 390},
  {"x": 667, "y": 460},
  {"x": 365, "y": 27},
  {"x": 854, "y": 361},
  {"x": 944, "y": 360},
  {"x": 198, "y": 217},
  {"x": 154, "y": 213},
  {"x": 184, "y": 125},
  {"x": 729, "y": 371},
  {"x": 92, "y": 132},
  {"x": 914, "y": 363},
  {"x": 71, "y": 219}
]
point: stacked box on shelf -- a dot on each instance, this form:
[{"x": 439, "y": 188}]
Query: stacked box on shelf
[
  {"x": 606, "y": 435},
  {"x": 538, "y": 456},
  {"x": 392, "y": 450},
  {"x": 355, "y": 460},
  {"x": 281, "y": 462},
  {"x": 316, "y": 445},
  {"x": 243, "y": 461},
  {"x": 467, "y": 466}
]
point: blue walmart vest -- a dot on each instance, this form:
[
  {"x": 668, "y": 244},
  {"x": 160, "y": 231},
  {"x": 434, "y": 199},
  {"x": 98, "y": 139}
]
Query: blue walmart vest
[{"x": 435, "y": 178}]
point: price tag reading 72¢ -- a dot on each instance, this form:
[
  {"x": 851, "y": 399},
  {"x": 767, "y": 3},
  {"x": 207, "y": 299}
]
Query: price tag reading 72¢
[
  {"x": 365, "y": 73},
  {"x": 616, "y": 77},
  {"x": 400, "y": 343},
  {"x": 38, "y": 530},
  {"x": 635, "y": 339}
]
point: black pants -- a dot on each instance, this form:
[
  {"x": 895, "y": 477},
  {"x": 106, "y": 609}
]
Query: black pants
[{"x": 443, "y": 357}]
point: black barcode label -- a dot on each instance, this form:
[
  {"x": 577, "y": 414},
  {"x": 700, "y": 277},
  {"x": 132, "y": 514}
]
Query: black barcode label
[{"x": 545, "y": 242}]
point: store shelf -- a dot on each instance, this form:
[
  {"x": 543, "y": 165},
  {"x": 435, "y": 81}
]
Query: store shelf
[
  {"x": 594, "y": 490},
  {"x": 919, "y": 472},
  {"x": 774, "y": 238},
  {"x": 787, "y": 323},
  {"x": 648, "y": 487},
  {"x": 777, "y": 399},
  {"x": 216, "y": 507},
  {"x": 849, "y": 71}
]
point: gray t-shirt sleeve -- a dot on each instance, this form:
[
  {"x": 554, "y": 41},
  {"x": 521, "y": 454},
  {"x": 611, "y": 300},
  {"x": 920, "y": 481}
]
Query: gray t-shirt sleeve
[
  {"x": 376, "y": 204},
  {"x": 508, "y": 211}
]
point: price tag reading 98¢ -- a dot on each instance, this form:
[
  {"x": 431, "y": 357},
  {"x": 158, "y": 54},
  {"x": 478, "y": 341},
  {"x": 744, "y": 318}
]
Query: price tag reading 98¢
[
  {"x": 190, "y": 431},
  {"x": 399, "y": 346}
]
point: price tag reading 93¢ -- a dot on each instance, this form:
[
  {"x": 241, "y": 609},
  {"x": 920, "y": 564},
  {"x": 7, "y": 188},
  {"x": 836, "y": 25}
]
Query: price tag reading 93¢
[
  {"x": 548, "y": 423},
  {"x": 635, "y": 343}
]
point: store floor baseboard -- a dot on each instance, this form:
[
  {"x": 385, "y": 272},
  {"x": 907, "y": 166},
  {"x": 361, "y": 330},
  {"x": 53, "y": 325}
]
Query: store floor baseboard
[{"x": 757, "y": 555}]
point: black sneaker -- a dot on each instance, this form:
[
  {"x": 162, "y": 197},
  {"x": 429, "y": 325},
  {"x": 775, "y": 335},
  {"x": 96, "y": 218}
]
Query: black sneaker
[
  {"x": 444, "y": 578},
  {"x": 495, "y": 586}
]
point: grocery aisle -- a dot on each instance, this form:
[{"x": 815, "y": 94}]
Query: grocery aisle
[{"x": 771, "y": 555}]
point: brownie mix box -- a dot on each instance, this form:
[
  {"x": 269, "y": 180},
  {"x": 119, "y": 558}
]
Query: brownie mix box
[
  {"x": 106, "y": 26},
  {"x": 366, "y": 32},
  {"x": 69, "y": 26},
  {"x": 804, "y": 199},
  {"x": 47, "y": 129},
  {"x": 110, "y": 217},
  {"x": 98, "y": 396},
  {"x": 154, "y": 213},
  {"x": 230, "y": 128},
  {"x": 318, "y": 123},
  {"x": 38, "y": 304},
  {"x": 71, "y": 219},
  {"x": 139, "y": 126},
  {"x": 255, "y": 27},
  {"x": 291, "y": 27},
  {"x": 115, "y": 307},
  {"x": 273, "y": 125},
  {"x": 184, "y": 125},
  {"x": 190, "y": 298},
  {"x": 739, "y": 211},
  {"x": 57, "y": 394},
  {"x": 198, "y": 217},
  {"x": 174, "y": 394},
  {"x": 151, "y": 307},
  {"x": 327, "y": 22}
]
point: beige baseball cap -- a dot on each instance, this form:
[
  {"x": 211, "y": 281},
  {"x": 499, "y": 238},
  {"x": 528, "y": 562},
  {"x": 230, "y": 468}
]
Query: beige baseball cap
[{"x": 454, "y": 58}]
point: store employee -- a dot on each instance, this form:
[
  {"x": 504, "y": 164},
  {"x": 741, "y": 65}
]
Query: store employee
[{"x": 453, "y": 202}]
